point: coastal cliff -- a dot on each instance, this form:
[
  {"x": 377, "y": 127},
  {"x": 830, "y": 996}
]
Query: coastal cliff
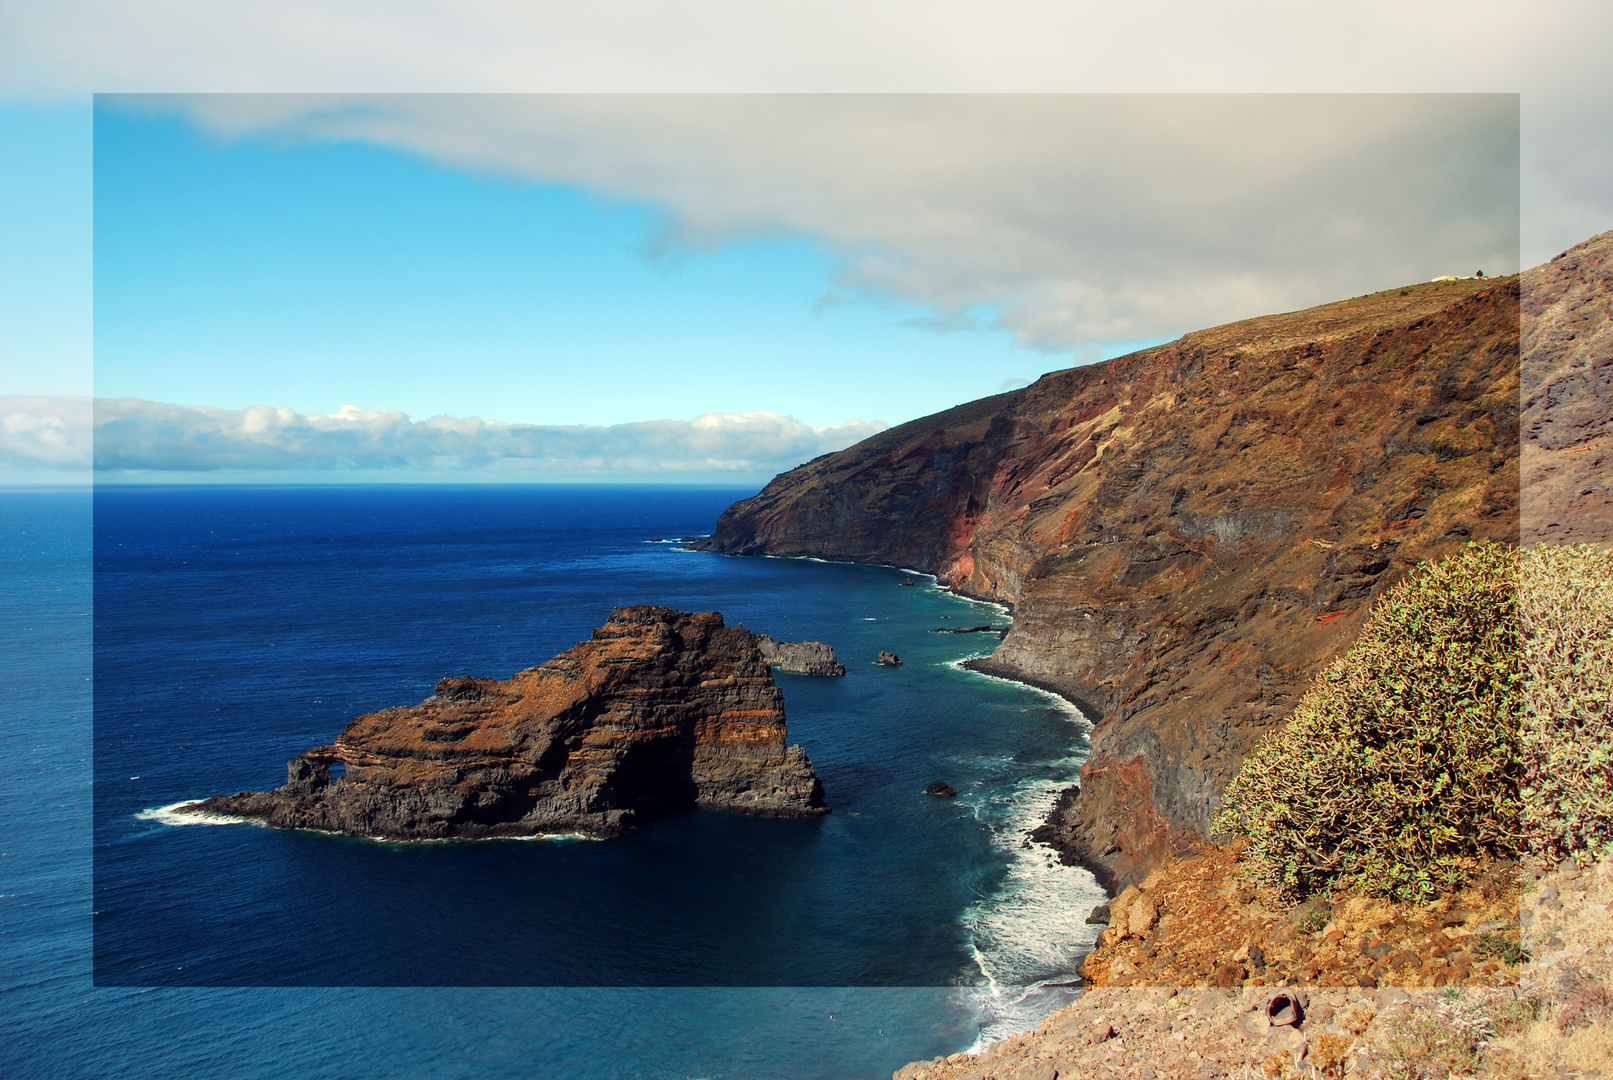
[
  {"x": 1187, "y": 534},
  {"x": 660, "y": 711},
  {"x": 1568, "y": 396}
]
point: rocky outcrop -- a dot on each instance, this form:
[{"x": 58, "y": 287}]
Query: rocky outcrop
[
  {"x": 660, "y": 711},
  {"x": 1366, "y": 1007},
  {"x": 1197, "y": 921},
  {"x": 1189, "y": 533},
  {"x": 1568, "y": 396},
  {"x": 800, "y": 657}
]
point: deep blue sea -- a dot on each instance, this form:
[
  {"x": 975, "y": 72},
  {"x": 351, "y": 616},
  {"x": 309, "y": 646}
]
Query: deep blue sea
[{"x": 236, "y": 627}]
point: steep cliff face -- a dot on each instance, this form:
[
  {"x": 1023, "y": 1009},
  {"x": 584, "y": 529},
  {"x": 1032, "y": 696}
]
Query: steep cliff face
[
  {"x": 1189, "y": 533},
  {"x": 1568, "y": 396},
  {"x": 659, "y": 712}
]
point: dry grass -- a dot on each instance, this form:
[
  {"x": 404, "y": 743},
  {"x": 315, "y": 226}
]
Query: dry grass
[{"x": 1568, "y": 982}]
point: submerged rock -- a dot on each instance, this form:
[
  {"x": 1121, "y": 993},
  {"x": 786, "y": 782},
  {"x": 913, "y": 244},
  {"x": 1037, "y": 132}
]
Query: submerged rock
[
  {"x": 941, "y": 788},
  {"x": 660, "y": 711},
  {"x": 800, "y": 657}
]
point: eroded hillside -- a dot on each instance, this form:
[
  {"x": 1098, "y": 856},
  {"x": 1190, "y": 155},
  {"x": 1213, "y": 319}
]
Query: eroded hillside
[{"x": 1188, "y": 533}]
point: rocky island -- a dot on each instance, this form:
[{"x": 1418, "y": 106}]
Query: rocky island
[
  {"x": 800, "y": 657},
  {"x": 658, "y": 712}
]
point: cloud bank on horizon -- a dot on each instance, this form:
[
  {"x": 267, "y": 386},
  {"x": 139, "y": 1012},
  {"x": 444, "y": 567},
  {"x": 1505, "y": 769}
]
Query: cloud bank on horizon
[
  {"x": 131, "y": 437},
  {"x": 1074, "y": 220}
]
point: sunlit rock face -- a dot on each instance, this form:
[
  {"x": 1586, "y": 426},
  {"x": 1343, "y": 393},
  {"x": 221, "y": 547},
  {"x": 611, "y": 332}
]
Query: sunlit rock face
[
  {"x": 660, "y": 711},
  {"x": 1189, "y": 533},
  {"x": 1568, "y": 396}
]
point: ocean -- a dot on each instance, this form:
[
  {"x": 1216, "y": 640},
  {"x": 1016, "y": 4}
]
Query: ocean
[{"x": 236, "y": 627}]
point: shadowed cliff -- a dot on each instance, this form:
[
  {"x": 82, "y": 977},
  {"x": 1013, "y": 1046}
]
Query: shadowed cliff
[{"x": 1189, "y": 533}]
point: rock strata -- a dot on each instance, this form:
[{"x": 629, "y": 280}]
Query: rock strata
[
  {"x": 658, "y": 712},
  {"x": 1187, "y": 534},
  {"x": 800, "y": 657}
]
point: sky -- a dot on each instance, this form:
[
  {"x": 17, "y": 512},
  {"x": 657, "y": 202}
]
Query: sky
[{"x": 672, "y": 286}]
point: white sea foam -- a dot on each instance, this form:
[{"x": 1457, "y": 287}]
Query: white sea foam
[
  {"x": 1059, "y": 701},
  {"x": 1027, "y": 934},
  {"x": 170, "y": 815}
]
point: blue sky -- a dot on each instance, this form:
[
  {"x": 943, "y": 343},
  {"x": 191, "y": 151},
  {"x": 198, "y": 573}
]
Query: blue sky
[
  {"x": 45, "y": 279},
  {"x": 674, "y": 287},
  {"x": 266, "y": 271},
  {"x": 1048, "y": 184}
]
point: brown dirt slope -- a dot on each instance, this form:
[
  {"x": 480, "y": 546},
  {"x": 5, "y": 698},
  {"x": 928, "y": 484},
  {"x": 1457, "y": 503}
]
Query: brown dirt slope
[
  {"x": 658, "y": 712},
  {"x": 1189, "y": 533},
  {"x": 1554, "y": 1020}
]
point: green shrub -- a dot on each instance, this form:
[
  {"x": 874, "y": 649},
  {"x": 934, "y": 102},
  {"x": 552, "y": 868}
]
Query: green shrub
[
  {"x": 1566, "y": 608},
  {"x": 1399, "y": 771}
]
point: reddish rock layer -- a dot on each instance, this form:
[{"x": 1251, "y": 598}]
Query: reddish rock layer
[
  {"x": 1189, "y": 533},
  {"x": 1568, "y": 396},
  {"x": 659, "y": 712}
]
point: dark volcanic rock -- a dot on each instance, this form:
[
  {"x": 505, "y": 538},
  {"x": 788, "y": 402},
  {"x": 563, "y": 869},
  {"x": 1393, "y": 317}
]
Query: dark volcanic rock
[
  {"x": 800, "y": 657},
  {"x": 658, "y": 712},
  {"x": 1190, "y": 533},
  {"x": 941, "y": 788}
]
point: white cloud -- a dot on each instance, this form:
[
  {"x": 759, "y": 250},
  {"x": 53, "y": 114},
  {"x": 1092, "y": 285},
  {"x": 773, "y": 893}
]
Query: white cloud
[
  {"x": 1550, "y": 53},
  {"x": 39, "y": 432},
  {"x": 131, "y": 435},
  {"x": 1078, "y": 219}
]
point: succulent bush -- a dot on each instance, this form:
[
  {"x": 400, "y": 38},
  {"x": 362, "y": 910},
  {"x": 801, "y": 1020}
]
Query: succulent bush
[
  {"x": 1399, "y": 771},
  {"x": 1566, "y": 610}
]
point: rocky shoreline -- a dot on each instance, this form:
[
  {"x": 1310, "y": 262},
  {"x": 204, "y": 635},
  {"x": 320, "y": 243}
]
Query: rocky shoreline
[
  {"x": 1543, "y": 1011},
  {"x": 1188, "y": 534}
]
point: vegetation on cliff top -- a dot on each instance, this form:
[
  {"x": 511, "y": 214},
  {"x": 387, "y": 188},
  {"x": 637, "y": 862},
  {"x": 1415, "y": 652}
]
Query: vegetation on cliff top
[
  {"x": 1474, "y": 717},
  {"x": 1400, "y": 770},
  {"x": 1566, "y": 608}
]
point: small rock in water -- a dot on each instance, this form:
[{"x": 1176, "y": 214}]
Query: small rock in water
[
  {"x": 941, "y": 788},
  {"x": 889, "y": 659},
  {"x": 1100, "y": 914}
]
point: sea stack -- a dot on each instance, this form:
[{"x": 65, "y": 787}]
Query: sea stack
[{"x": 658, "y": 712}]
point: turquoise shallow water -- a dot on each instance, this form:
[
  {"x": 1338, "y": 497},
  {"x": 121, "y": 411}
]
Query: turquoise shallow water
[{"x": 235, "y": 628}]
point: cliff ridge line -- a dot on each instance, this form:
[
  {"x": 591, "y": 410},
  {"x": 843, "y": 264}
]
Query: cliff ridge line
[{"x": 1187, "y": 534}]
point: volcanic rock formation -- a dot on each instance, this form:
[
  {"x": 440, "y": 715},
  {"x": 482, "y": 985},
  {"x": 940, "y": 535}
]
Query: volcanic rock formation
[
  {"x": 1189, "y": 533},
  {"x": 658, "y": 712},
  {"x": 800, "y": 657}
]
